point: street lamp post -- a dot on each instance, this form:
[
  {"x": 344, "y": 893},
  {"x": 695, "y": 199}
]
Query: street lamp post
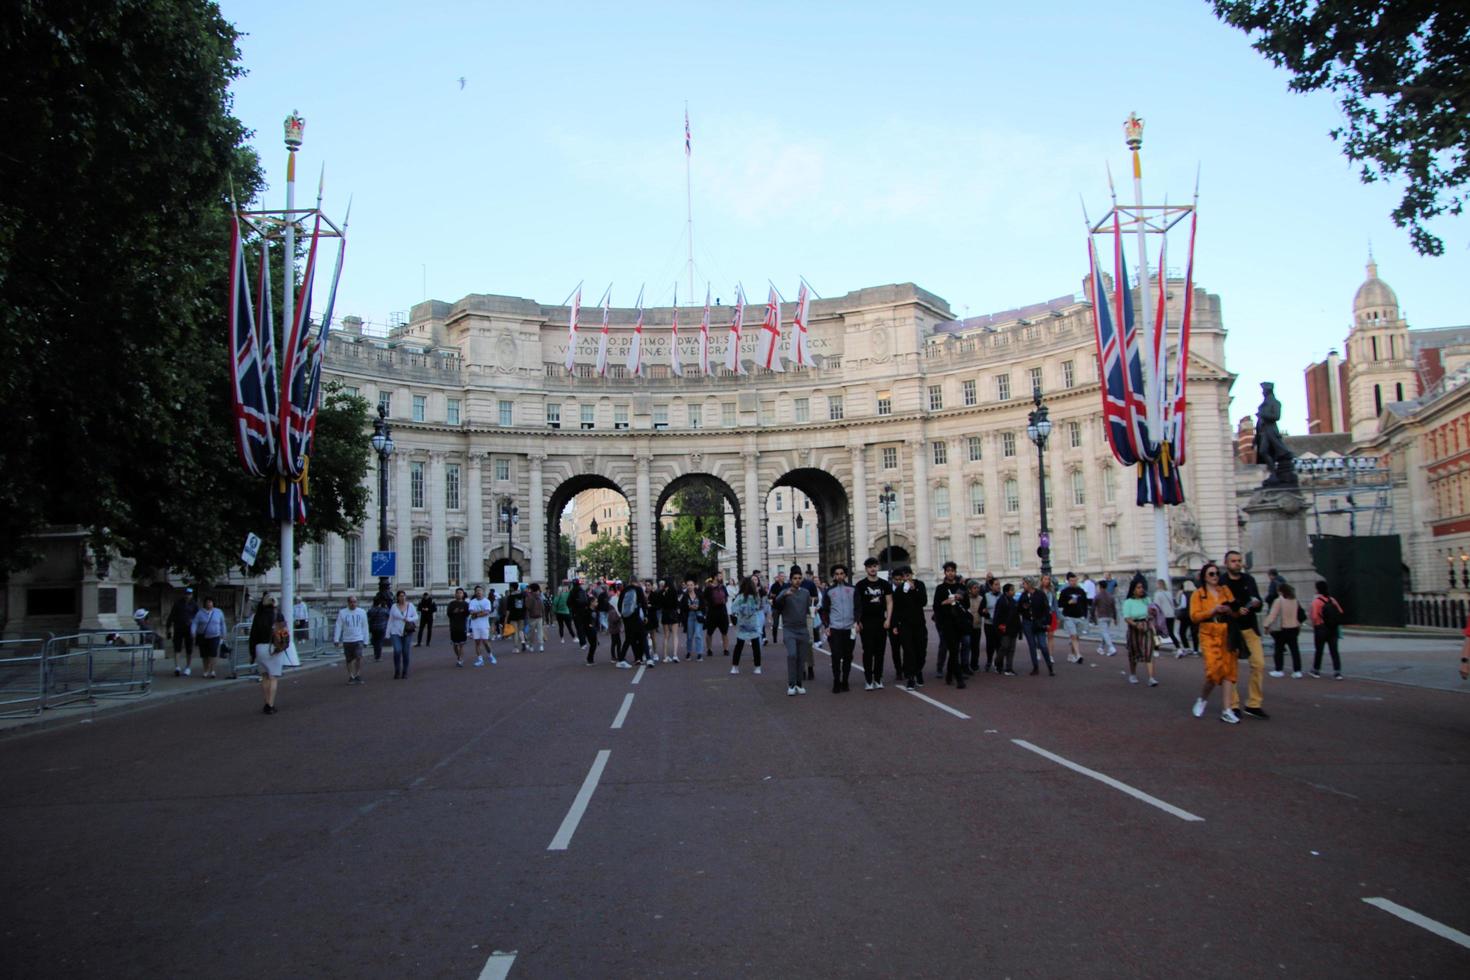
[
  {"x": 512, "y": 515},
  {"x": 886, "y": 501},
  {"x": 1038, "y": 428},
  {"x": 382, "y": 442}
]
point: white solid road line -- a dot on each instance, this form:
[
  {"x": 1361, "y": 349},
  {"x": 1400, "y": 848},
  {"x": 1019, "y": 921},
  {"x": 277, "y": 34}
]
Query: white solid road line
[
  {"x": 1423, "y": 922},
  {"x": 1137, "y": 794},
  {"x": 579, "y": 805},
  {"x": 623, "y": 711},
  {"x": 497, "y": 967},
  {"x": 638, "y": 674},
  {"x": 939, "y": 704}
]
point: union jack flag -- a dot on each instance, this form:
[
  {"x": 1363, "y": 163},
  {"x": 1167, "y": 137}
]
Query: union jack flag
[
  {"x": 295, "y": 420},
  {"x": 1110, "y": 364},
  {"x": 253, "y": 436},
  {"x": 686, "y": 131}
]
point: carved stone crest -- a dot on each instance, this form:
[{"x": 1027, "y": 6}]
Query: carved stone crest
[
  {"x": 696, "y": 461},
  {"x": 505, "y": 352}
]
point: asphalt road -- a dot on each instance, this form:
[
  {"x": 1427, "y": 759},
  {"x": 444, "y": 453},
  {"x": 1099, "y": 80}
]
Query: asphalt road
[{"x": 402, "y": 829}]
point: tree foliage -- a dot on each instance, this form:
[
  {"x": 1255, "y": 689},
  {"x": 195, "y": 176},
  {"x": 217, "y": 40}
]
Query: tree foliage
[
  {"x": 115, "y": 181},
  {"x": 1402, "y": 71},
  {"x": 608, "y": 556},
  {"x": 698, "y": 511}
]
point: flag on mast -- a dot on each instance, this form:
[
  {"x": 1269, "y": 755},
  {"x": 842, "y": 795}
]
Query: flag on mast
[
  {"x": 252, "y": 425},
  {"x": 675, "y": 365},
  {"x": 799, "y": 353},
  {"x": 602, "y": 337},
  {"x": 572, "y": 327},
  {"x": 768, "y": 347},
  {"x": 265, "y": 344},
  {"x": 296, "y": 374},
  {"x": 686, "y": 131},
  {"x": 635, "y": 349},
  {"x": 704, "y": 336},
  {"x": 737, "y": 320},
  {"x": 1178, "y": 402}
]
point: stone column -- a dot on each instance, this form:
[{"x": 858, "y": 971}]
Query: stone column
[
  {"x": 438, "y": 533},
  {"x": 755, "y": 512},
  {"x": 643, "y": 515},
  {"x": 402, "y": 521},
  {"x": 923, "y": 522},
  {"x": 959, "y": 508},
  {"x": 537, "y": 504},
  {"x": 859, "y": 507},
  {"x": 473, "y": 555}
]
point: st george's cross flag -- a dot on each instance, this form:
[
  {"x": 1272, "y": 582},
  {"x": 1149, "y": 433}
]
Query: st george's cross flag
[
  {"x": 704, "y": 336},
  {"x": 737, "y": 320},
  {"x": 799, "y": 352},
  {"x": 254, "y": 439},
  {"x": 676, "y": 366},
  {"x": 572, "y": 328},
  {"x": 635, "y": 349},
  {"x": 602, "y": 337},
  {"x": 768, "y": 347}
]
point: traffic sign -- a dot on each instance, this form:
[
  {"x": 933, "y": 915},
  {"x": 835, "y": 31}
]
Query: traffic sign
[
  {"x": 252, "y": 548},
  {"x": 384, "y": 564}
]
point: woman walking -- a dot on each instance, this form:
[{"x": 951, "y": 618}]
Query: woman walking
[
  {"x": 1164, "y": 599},
  {"x": 561, "y": 608},
  {"x": 268, "y": 660},
  {"x": 668, "y": 621},
  {"x": 1140, "y": 633},
  {"x": 1284, "y": 623},
  {"x": 209, "y": 633},
  {"x": 402, "y": 618},
  {"x": 615, "y": 628},
  {"x": 1188, "y": 630},
  {"x": 748, "y": 613},
  {"x": 1210, "y": 611},
  {"x": 691, "y": 614},
  {"x": 1327, "y": 619},
  {"x": 1036, "y": 615},
  {"x": 458, "y": 614},
  {"x": 377, "y": 616}
]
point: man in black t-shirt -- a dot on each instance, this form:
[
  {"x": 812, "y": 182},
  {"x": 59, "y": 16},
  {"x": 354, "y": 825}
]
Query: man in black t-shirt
[
  {"x": 1245, "y": 632},
  {"x": 910, "y": 608},
  {"x": 1072, "y": 604},
  {"x": 874, "y": 615},
  {"x": 515, "y": 612}
]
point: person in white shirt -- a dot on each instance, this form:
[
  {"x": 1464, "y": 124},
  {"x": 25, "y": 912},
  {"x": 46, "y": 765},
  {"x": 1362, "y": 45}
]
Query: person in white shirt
[
  {"x": 350, "y": 634},
  {"x": 402, "y": 618},
  {"x": 300, "y": 620},
  {"x": 208, "y": 629},
  {"x": 1164, "y": 599},
  {"x": 480, "y": 619}
]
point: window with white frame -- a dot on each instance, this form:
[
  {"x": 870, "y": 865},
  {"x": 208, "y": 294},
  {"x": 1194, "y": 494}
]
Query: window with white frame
[
  {"x": 967, "y": 392},
  {"x": 420, "y": 562},
  {"x": 834, "y": 408},
  {"x": 768, "y": 413},
  {"x": 319, "y": 563},
  {"x": 451, "y": 411},
  {"x": 1003, "y": 387},
  {"x": 940, "y": 449},
  {"x": 1069, "y": 374},
  {"x": 696, "y": 416},
  {"x": 977, "y": 499},
  {"x": 941, "y": 550},
  {"x": 1110, "y": 541},
  {"x": 885, "y": 403},
  {"x": 1079, "y": 488},
  {"x": 978, "y": 558},
  {"x": 588, "y": 415},
  {"x": 780, "y": 535},
  {"x": 385, "y": 403},
  {"x": 553, "y": 416},
  {"x": 351, "y": 560},
  {"x": 1074, "y": 435},
  {"x": 936, "y": 397},
  {"x": 420, "y": 408},
  {"x": 620, "y": 416},
  {"x": 803, "y": 409},
  {"x": 975, "y": 449},
  {"x": 780, "y": 503},
  {"x": 350, "y": 391},
  {"x": 502, "y": 469},
  {"x": 1079, "y": 544},
  {"x": 1013, "y": 550},
  {"x": 507, "y": 412},
  {"x": 1008, "y": 444},
  {"x": 941, "y": 502},
  {"x": 1034, "y": 376},
  {"x": 1110, "y": 487},
  {"x": 454, "y": 554},
  {"x": 415, "y": 484},
  {"x": 451, "y": 485},
  {"x": 660, "y": 416},
  {"x": 727, "y": 414},
  {"x": 1011, "y": 491},
  {"x": 890, "y": 457}
]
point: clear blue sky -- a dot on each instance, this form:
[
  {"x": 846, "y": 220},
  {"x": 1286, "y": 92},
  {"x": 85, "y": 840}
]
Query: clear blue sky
[{"x": 852, "y": 143}]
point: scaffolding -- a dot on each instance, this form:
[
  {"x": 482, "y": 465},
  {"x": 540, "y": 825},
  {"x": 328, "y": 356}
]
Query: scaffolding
[{"x": 1348, "y": 486}]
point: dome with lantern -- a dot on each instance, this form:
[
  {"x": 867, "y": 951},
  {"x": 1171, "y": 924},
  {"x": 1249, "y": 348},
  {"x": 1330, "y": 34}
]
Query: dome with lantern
[{"x": 1375, "y": 301}]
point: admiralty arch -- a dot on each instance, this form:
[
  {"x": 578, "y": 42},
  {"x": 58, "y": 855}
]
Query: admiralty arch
[{"x": 488, "y": 422}]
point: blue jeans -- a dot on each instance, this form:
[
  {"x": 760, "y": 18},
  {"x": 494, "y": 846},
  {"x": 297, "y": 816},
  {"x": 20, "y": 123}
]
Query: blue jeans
[
  {"x": 401, "y": 646},
  {"x": 694, "y": 636},
  {"x": 1036, "y": 640}
]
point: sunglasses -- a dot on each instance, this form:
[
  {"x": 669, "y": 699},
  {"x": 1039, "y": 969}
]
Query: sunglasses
[{"x": 1212, "y": 574}]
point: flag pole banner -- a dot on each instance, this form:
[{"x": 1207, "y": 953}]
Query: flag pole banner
[
  {"x": 602, "y": 337},
  {"x": 768, "y": 349},
  {"x": 572, "y": 328},
  {"x": 737, "y": 320},
  {"x": 676, "y": 366},
  {"x": 800, "y": 352},
  {"x": 704, "y": 336},
  {"x": 635, "y": 349}
]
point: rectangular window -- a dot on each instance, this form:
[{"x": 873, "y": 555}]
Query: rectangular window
[
  {"x": 455, "y": 554},
  {"x": 1074, "y": 435},
  {"x": 451, "y": 486},
  {"x": 834, "y": 408},
  {"x": 967, "y": 392},
  {"x": 1079, "y": 489},
  {"x": 660, "y": 416},
  {"x": 727, "y": 415},
  {"x": 588, "y": 416},
  {"x": 890, "y": 457},
  {"x": 885, "y": 403},
  {"x": 420, "y": 408},
  {"x": 620, "y": 416},
  {"x": 351, "y": 558},
  {"x": 420, "y": 562},
  {"x": 1003, "y": 387},
  {"x": 385, "y": 403},
  {"x": 768, "y": 413},
  {"x": 941, "y": 453},
  {"x": 1069, "y": 374},
  {"x": 978, "y": 558},
  {"x": 941, "y": 550},
  {"x": 936, "y": 398},
  {"x": 803, "y": 408},
  {"x": 696, "y": 416},
  {"x": 780, "y": 503},
  {"x": 977, "y": 499},
  {"x": 507, "y": 413},
  {"x": 780, "y": 536},
  {"x": 1013, "y": 550},
  {"x": 451, "y": 411},
  {"x": 319, "y": 564},
  {"x": 975, "y": 449},
  {"x": 1110, "y": 542},
  {"x": 1008, "y": 444},
  {"x": 1034, "y": 375},
  {"x": 416, "y": 484},
  {"x": 502, "y": 470},
  {"x": 1079, "y": 544},
  {"x": 350, "y": 391},
  {"x": 941, "y": 503},
  {"x": 553, "y": 416},
  {"x": 1110, "y": 488},
  {"x": 1012, "y": 497}
]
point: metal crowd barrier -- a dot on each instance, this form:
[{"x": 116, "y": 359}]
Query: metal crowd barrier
[
  {"x": 22, "y": 677},
  {"x": 81, "y": 667},
  {"x": 238, "y": 661}
]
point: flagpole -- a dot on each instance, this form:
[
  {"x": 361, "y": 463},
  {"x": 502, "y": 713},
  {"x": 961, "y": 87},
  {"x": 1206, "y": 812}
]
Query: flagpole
[
  {"x": 1133, "y": 133},
  {"x": 294, "y": 129},
  {"x": 688, "y": 197}
]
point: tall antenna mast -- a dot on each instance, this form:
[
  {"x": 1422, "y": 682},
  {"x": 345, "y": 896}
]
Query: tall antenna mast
[{"x": 688, "y": 198}]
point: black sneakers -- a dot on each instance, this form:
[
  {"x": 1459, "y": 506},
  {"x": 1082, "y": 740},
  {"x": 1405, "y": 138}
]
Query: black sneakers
[{"x": 1255, "y": 713}]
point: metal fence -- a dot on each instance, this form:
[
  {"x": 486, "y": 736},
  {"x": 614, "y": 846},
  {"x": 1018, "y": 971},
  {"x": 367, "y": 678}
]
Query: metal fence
[
  {"x": 22, "y": 677},
  {"x": 312, "y": 643},
  {"x": 1436, "y": 611},
  {"x": 77, "y": 668}
]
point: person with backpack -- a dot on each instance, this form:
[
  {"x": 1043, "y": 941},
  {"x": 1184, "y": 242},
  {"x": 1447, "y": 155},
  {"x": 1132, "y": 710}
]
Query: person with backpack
[
  {"x": 633, "y": 611},
  {"x": 1327, "y": 618},
  {"x": 1284, "y": 623}
]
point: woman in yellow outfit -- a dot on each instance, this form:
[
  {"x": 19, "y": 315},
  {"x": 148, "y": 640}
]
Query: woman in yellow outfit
[{"x": 1209, "y": 609}]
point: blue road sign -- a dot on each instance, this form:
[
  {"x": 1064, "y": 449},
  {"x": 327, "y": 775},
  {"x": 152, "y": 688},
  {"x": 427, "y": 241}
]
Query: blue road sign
[{"x": 384, "y": 564}]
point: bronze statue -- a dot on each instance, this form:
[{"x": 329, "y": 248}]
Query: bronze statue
[{"x": 1270, "y": 449}]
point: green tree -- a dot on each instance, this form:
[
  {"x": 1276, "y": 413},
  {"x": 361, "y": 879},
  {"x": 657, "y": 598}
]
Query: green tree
[
  {"x": 566, "y": 559},
  {"x": 1402, "y": 71},
  {"x": 608, "y": 556},
  {"x": 121, "y": 150}
]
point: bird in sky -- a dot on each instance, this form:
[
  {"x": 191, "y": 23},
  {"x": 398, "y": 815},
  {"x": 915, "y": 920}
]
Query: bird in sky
[{"x": 461, "y": 83}]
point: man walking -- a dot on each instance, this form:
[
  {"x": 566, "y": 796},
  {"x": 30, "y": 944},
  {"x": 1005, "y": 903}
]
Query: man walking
[
  {"x": 633, "y": 608},
  {"x": 839, "y": 606},
  {"x": 952, "y": 616},
  {"x": 350, "y": 633},
  {"x": 1105, "y": 611},
  {"x": 515, "y": 612},
  {"x": 535, "y": 618},
  {"x": 180, "y": 626},
  {"x": 1073, "y": 603},
  {"x": 992, "y": 622},
  {"x": 1245, "y": 604},
  {"x": 717, "y": 615},
  {"x": 794, "y": 607},
  {"x": 874, "y": 618},
  {"x": 910, "y": 603},
  {"x": 427, "y": 608},
  {"x": 481, "y": 619}
]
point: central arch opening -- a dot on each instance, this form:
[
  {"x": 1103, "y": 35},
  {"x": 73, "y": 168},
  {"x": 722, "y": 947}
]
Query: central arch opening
[
  {"x": 832, "y": 512},
  {"x": 589, "y": 529},
  {"x": 699, "y": 529}
]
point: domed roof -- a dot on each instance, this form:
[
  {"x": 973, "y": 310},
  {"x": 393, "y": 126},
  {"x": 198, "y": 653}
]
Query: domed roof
[{"x": 1375, "y": 294}]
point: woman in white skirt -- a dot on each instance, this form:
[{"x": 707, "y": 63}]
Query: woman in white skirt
[{"x": 268, "y": 660}]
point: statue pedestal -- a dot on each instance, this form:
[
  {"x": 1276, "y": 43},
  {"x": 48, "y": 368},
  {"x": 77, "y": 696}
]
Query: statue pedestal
[{"x": 1276, "y": 537}]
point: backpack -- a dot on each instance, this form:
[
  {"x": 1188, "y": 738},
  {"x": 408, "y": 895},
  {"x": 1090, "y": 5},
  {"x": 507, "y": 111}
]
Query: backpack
[
  {"x": 1331, "y": 612},
  {"x": 628, "y": 604}
]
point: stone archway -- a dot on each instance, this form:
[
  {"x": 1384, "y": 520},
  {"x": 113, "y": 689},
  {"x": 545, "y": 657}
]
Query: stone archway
[
  {"x": 834, "y": 513},
  {"x": 719, "y": 558},
  {"x": 558, "y": 563}
]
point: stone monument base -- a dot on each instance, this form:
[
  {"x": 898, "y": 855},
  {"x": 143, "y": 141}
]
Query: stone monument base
[{"x": 1276, "y": 537}]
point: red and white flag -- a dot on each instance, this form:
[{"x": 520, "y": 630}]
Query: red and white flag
[
  {"x": 602, "y": 338},
  {"x": 768, "y": 348},
  {"x": 704, "y": 336},
  {"x": 732, "y": 348},
  {"x": 572, "y": 328},
  {"x": 799, "y": 353},
  {"x": 686, "y": 131},
  {"x": 675, "y": 365},
  {"x": 635, "y": 349}
]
